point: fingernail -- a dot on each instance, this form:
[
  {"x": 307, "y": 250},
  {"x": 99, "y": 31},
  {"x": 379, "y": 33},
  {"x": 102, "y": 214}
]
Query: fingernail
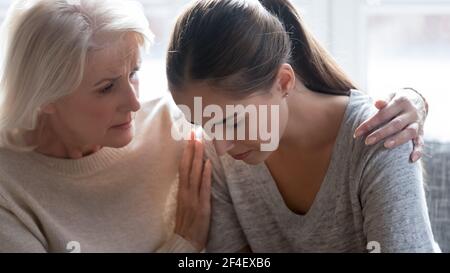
[
  {"x": 192, "y": 137},
  {"x": 415, "y": 157},
  {"x": 371, "y": 140},
  {"x": 390, "y": 144},
  {"x": 357, "y": 134}
]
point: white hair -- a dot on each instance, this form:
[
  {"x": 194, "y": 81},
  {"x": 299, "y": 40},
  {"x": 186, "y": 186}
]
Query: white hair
[{"x": 45, "y": 44}]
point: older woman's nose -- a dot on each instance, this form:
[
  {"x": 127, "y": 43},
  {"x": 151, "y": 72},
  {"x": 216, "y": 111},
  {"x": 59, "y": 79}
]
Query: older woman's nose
[{"x": 131, "y": 101}]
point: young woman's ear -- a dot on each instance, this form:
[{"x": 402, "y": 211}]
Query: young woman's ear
[{"x": 285, "y": 79}]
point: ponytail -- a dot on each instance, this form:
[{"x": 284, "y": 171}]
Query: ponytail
[{"x": 311, "y": 62}]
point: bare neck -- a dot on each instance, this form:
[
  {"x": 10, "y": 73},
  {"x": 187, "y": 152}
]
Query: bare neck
[
  {"x": 55, "y": 141},
  {"x": 314, "y": 120}
]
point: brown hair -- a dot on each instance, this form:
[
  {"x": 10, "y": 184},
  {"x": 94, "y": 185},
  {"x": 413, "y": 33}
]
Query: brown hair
[{"x": 239, "y": 45}]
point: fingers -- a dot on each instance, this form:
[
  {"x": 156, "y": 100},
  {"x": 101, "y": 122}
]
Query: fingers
[
  {"x": 405, "y": 123},
  {"x": 184, "y": 173},
  {"x": 194, "y": 198},
  {"x": 186, "y": 162},
  {"x": 197, "y": 167},
  {"x": 382, "y": 116},
  {"x": 390, "y": 129},
  {"x": 380, "y": 104},
  {"x": 205, "y": 188},
  {"x": 409, "y": 133},
  {"x": 418, "y": 149}
]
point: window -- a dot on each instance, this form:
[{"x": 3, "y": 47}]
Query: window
[
  {"x": 410, "y": 46},
  {"x": 388, "y": 44}
]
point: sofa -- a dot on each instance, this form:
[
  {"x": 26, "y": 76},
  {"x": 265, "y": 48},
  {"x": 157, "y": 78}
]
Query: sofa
[{"x": 436, "y": 168}]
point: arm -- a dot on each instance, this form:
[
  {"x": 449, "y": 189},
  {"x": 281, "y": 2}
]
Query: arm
[
  {"x": 393, "y": 202},
  {"x": 226, "y": 234},
  {"x": 177, "y": 244},
  {"x": 406, "y": 111},
  {"x": 14, "y": 235}
]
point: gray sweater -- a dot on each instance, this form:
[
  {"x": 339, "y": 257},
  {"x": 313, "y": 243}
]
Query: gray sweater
[{"x": 371, "y": 200}]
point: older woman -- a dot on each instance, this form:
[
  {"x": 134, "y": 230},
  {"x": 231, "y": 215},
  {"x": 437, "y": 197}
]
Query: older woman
[
  {"x": 95, "y": 177},
  {"x": 83, "y": 166}
]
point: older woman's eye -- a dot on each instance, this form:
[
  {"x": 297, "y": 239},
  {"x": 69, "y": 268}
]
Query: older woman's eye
[
  {"x": 107, "y": 89},
  {"x": 134, "y": 74}
]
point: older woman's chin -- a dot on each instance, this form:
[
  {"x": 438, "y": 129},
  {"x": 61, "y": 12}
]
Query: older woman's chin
[{"x": 122, "y": 139}]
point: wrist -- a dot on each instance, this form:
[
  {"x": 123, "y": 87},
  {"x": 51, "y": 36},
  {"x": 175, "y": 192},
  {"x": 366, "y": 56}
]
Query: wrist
[
  {"x": 421, "y": 96},
  {"x": 192, "y": 243}
]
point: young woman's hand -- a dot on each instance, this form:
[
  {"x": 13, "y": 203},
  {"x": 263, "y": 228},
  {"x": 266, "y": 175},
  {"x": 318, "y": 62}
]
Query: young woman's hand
[
  {"x": 406, "y": 112},
  {"x": 194, "y": 192}
]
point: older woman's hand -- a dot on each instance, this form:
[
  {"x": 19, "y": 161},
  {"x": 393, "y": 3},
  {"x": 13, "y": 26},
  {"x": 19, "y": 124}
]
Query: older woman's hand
[
  {"x": 406, "y": 112},
  {"x": 194, "y": 195}
]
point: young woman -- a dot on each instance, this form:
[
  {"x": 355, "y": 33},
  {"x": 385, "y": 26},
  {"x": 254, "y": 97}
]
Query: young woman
[{"x": 322, "y": 190}]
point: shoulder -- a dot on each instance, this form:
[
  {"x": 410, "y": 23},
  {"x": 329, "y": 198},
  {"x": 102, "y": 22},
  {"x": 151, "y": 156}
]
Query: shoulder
[
  {"x": 375, "y": 164},
  {"x": 363, "y": 160},
  {"x": 360, "y": 107},
  {"x": 13, "y": 166},
  {"x": 158, "y": 118},
  {"x": 11, "y": 162},
  {"x": 162, "y": 109},
  {"x": 160, "y": 133}
]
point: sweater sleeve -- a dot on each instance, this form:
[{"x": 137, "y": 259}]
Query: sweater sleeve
[
  {"x": 225, "y": 233},
  {"x": 393, "y": 202},
  {"x": 177, "y": 244},
  {"x": 14, "y": 235}
]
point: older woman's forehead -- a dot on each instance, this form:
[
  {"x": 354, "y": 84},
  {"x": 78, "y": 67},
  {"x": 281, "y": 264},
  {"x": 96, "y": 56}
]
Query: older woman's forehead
[
  {"x": 112, "y": 60},
  {"x": 118, "y": 53}
]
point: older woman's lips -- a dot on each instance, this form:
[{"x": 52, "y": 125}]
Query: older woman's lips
[
  {"x": 123, "y": 126},
  {"x": 241, "y": 156}
]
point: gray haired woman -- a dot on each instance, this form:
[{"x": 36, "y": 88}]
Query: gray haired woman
[{"x": 85, "y": 167}]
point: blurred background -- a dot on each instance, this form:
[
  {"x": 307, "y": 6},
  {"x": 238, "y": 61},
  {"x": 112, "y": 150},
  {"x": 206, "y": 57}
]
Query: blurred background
[{"x": 383, "y": 45}]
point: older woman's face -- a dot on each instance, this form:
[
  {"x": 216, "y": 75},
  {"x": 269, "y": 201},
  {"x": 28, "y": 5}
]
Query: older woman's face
[{"x": 100, "y": 111}]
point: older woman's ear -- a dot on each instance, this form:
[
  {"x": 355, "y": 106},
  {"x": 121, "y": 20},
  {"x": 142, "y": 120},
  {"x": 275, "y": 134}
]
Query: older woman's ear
[{"x": 49, "y": 108}]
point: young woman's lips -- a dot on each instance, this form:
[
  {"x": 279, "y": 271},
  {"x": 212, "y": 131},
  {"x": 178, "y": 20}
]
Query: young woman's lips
[
  {"x": 123, "y": 126},
  {"x": 241, "y": 156}
]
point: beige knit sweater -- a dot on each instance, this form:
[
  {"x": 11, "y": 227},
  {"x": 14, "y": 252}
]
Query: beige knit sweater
[{"x": 115, "y": 200}]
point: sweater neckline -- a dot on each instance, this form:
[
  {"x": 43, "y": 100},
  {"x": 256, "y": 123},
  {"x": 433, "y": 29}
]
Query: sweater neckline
[{"x": 87, "y": 165}]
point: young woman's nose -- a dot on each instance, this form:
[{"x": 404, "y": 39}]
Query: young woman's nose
[{"x": 223, "y": 146}]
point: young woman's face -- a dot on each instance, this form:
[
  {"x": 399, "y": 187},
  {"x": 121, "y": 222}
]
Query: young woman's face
[
  {"x": 100, "y": 111},
  {"x": 247, "y": 149}
]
